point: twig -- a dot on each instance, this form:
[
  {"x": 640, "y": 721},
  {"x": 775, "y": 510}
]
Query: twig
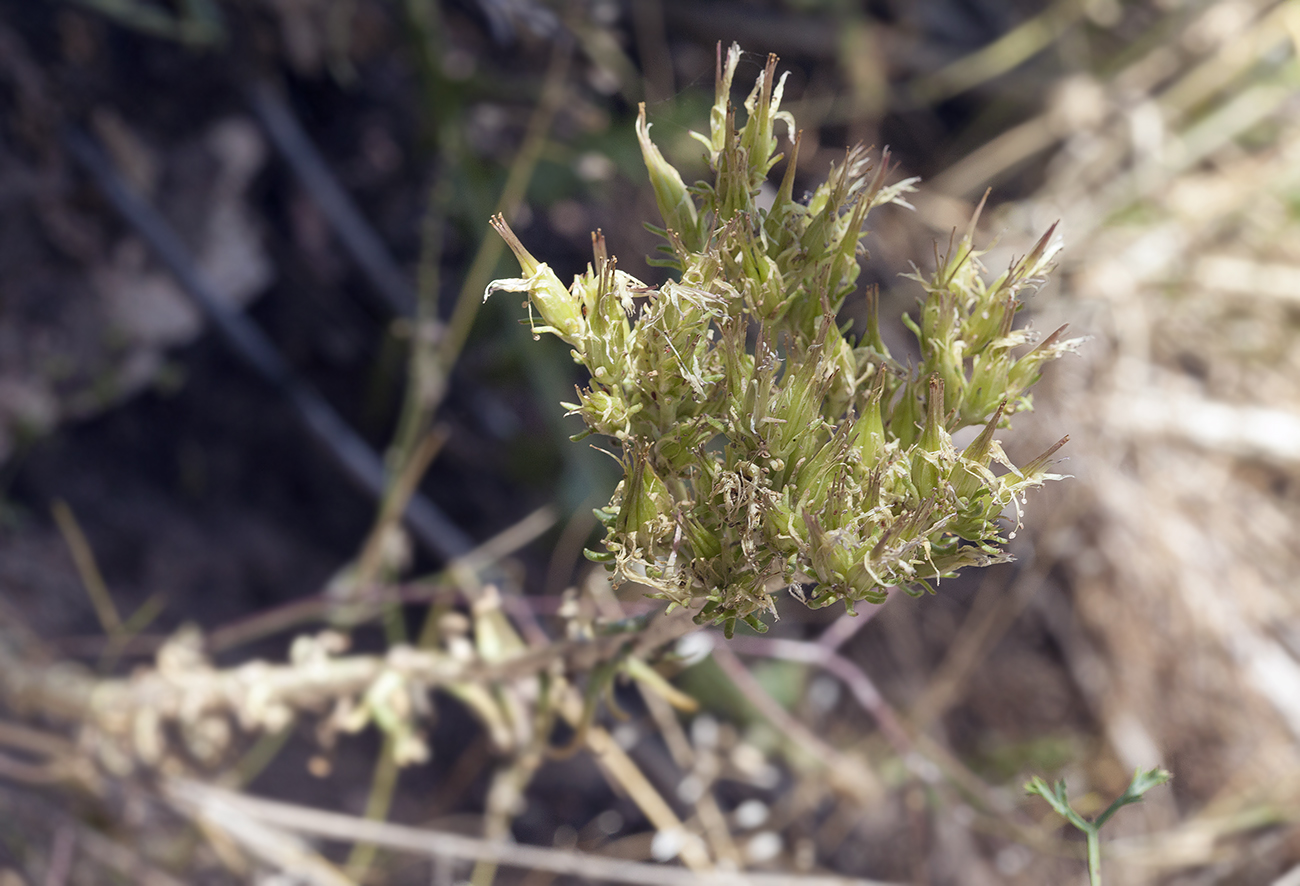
[
  {"x": 294, "y": 614},
  {"x": 985, "y": 164},
  {"x": 280, "y": 848},
  {"x": 620, "y": 770},
  {"x": 358, "y": 461},
  {"x": 700, "y": 764},
  {"x": 32, "y": 773},
  {"x": 266, "y": 696},
  {"x": 503, "y": 544},
  {"x": 674, "y": 736},
  {"x": 505, "y": 798},
  {"x": 195, "y": 799},
  {"x": 441, "y": 587},
  {"x": 257, "y": 758},
  {"x": 263, "y": 624},
  {"x": 401, "y": 487},
  {"x": 35, "y": 741},
  {"x": 119, "y": 633},
  {"x": 383, "y": 555},
  {"x": 60, "y": 762}
]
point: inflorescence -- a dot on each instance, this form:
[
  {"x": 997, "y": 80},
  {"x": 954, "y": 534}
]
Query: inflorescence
[{"x": 762, "y": 447}]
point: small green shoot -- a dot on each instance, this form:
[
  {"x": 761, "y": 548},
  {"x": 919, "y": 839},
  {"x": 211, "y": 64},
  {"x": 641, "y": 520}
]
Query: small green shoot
[{"x": 1056, "y": 798}]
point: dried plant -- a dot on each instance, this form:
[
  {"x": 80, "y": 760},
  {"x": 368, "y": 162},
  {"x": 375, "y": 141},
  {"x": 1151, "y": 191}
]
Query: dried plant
[{"x": 763, "y": 447}]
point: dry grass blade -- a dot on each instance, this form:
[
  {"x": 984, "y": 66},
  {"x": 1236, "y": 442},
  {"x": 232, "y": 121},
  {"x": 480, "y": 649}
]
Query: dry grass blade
[{"x": 194, "y": 799}]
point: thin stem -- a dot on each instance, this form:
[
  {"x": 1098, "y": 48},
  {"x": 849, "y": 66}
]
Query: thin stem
[
  {"x": 259, "y": 756},
  {"x": 227, "y": 808},
  {"x": 382, "y": 787},
  {"x": 851, "y": 774},
  {"x": 1094, "y": 856},
  {"x": 91, "y": 578},
  {"x": 521, "y": 173}
]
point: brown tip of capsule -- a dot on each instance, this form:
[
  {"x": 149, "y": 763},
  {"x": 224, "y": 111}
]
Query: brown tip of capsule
[
  {"x": 1052, "y": 339},
  {"x": 1041, "y": 462},
  {"x": 975, "y": 216},
  {"x": 786, "y": 191},
  {"x": 1041, "y": 244},
  {"x": 878, "y": 180},
  {"x": 769, "y": 71}
]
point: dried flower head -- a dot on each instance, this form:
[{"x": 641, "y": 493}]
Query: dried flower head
[{"x": 762, "y": 448}]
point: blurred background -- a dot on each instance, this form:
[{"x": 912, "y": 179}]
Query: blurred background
[{"x": 326, "y": 168}]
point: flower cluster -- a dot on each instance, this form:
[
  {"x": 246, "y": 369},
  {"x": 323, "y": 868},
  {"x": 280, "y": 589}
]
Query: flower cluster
[{"x": 762, "y": 447}]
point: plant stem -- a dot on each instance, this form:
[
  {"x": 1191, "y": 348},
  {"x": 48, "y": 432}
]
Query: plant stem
[
  {"x": 382, "y": 787},
  {"x": 512, "y": 194},
  {"x": 1094, "y": 856}
]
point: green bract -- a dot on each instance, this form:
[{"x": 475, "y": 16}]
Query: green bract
[{"x": 762, "y": 448}]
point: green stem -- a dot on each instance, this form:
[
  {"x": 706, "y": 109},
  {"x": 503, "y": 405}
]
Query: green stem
[
  {"x": 1094, "y": 856},
  {"x": 382, "y": 787},
  {"x": 512, "y": 194}
]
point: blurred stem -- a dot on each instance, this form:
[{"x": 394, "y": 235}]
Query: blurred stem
[
  {"x": 1010, "y": 50},
  {"x": 624, "y": 776},
  {"x": 414, "y": 445},
  {"x": 84, "y": 559},
  {"x": 441, "y": 98},
  {"x": 426, "y": 383},
  {"x": 402, "y": 483},
  {"x": 516, "y": 186},
  {"x": 382, "y": 786},
  {"x": 851, "y": 775},
  {"x": 258, "y": 757},
  {"x": 441, "y": 588}
]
